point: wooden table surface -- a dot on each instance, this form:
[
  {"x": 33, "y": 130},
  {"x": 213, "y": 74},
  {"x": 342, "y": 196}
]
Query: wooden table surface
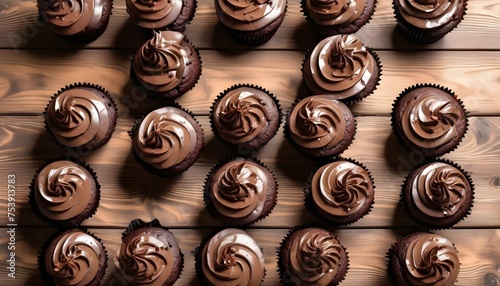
[{"x": 34, "y": 64}]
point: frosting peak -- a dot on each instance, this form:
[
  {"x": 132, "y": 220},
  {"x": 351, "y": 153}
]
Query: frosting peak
[
  {"x": 335, "y": 12},
  {"x": 428, "y": 14},
  {"x": 249, "y": 15},
  {"x": 154, "y": 14}
]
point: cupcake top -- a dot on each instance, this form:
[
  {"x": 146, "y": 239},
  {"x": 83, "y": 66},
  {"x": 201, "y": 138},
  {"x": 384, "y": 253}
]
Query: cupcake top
[
  {"x": 341, "y": 189},
  {"x": 161, "y": 62},
  {"x": 428, "y": 14},
  {"x": 335, "y": 12},
  {"x": 166, "y": 137},
  {"x": 232, "y": 257},
  {"x": 248, "y": 15},
  {"x": 69, "y": 17},
  {"x": 340, "y": 66},
  {"x": 154, "y": 14}
]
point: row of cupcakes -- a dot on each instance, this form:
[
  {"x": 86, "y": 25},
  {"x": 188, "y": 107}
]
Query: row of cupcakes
[
  {"x": 149, "y": 254},
  {"x": 253, "y": 22}
]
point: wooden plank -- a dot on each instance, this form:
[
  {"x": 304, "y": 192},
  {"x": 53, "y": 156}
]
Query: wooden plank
[
  {"x": 178, "y": 200},
  {"x": 32, "y": 77},
  {"x": 366, "y": 249},
  {"x": 21, "y": 29}
]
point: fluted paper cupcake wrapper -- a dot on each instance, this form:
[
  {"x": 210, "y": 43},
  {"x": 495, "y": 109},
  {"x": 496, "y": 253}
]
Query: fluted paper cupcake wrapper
[
  {"x": 83, "y": 148},
  {"x": 343, "y": 221},
  {"x": 46, "y": 278},
  {"x": 426, "y": 152},
  {"x": 72, "y": 222},
  {"x": 428, "y": 225},
  {"x": 243, "y": 147},
  {"x": 168, "y": 172},
  {"x": 206, "y": 190},
  {"x": 282, "y": 273}
]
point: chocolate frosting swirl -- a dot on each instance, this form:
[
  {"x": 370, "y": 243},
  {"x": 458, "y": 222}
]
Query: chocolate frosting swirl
[
  {"x": 76, "y": 259},
  {"x": 431, "y": 260},
  {"x": 154, "y": 14},
  {"x": 239, "y": 189},
  {"x": 439, "y": 189},
  {"x": 315, "y": 257},
  {"x": 317, "y": 122},
  {"x": 335, "y": 12},
  {"x": 242, "y": 114},
  {"x": 165, "y": 137},
  {"x": 341, "y": 188},
  {"x": 145, "y": 260},
  {"x": 232, "y": 257},
  {"x": 340, "y": 66},
  {"x": 77, "y": 115},
  {"x": 249, "y": 15},
  {"x": 161, "y": 62},
  {"x": 432, "y": 119},
  {"x": 428, "y": 14},
  {"x": 63, "y": 190},
  {"x": 69, "y": 17}
]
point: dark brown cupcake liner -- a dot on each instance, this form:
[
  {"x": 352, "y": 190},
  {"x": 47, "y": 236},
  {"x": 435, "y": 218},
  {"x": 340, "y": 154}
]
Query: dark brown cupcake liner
[
  {"x": 426, "y": 152},
  {"x": 46, "y": 278},
  {"x": 321, "y": 159},
  {"x": 169, "y": 172},
  {"x": 429, "y": 225},
  {"x": 309, "y": 203},
  {"x": 73, "y": 222},
  {"x": 282, "y": 273},
  {"x": 206, "y": 197},
  {"x": 243, "y": 148},
  {"x": 83, "y": 148}
]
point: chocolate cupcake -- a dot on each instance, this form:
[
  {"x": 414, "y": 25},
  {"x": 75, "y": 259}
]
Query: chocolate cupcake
[
  {"x": 438, "y": 194},
  {"x": 341, "y": 191},
  {"x": 73, "y": 257},
  {"x": 167, "y": 65},
  {"x": 251, "y": 22},
  {"x": 81, "y": 116},
  {"x": 312, "y": 256},
  {"x": 230, "y": 257},
  {"x": 149, "y": 254},
  {"x": 64, "y": 192},
  {"x": 343, "y": 67},
  {"x": 245, "y": 116},
  {"x": 330, "y": 18},
  {"x": 167, "y": 141},
  {"x": 80, "y": 21},
  {"x": 172, "y": 15},
  {"x": 429, "y": 119},
  {"x": 423, "y": 258},
  {"x": 320, "y": 126},
  {"x": 239, "y": 191},
  {"x": 426, "y": 22}
]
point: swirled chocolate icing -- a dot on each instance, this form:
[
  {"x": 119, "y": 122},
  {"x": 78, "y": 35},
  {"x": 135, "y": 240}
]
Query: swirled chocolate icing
[
  {"x": 69, "y": 17},
  {"x": 165, "y": 137},
  {"x": 239, "y": 189},
  {"x": 315, "y": 257},
  {"x": 341, "y": 188},
  {"x": 154, "y": 14},
  {"x": 146, "y": 259},
  {"x": 340, "y": 66},
  {"x": 335, "y": 12},
  {"x": 249, "y": 15},
  {"x": 63, "y": 190},
  {"x": 242, "y": 114},
  {"x": 317, "y": 122},
  {"x": 431, "y": 260},
  {"x": 75, "y": 259},
  {"x": 232, "y": 257},
  {"x": 161, "y": 62},
  {"x": 439, "y": 189},
  {"x": 428, "y": 14},
  {"x": 432, "y": 119},
  {"x": 78, "y": 115}
]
